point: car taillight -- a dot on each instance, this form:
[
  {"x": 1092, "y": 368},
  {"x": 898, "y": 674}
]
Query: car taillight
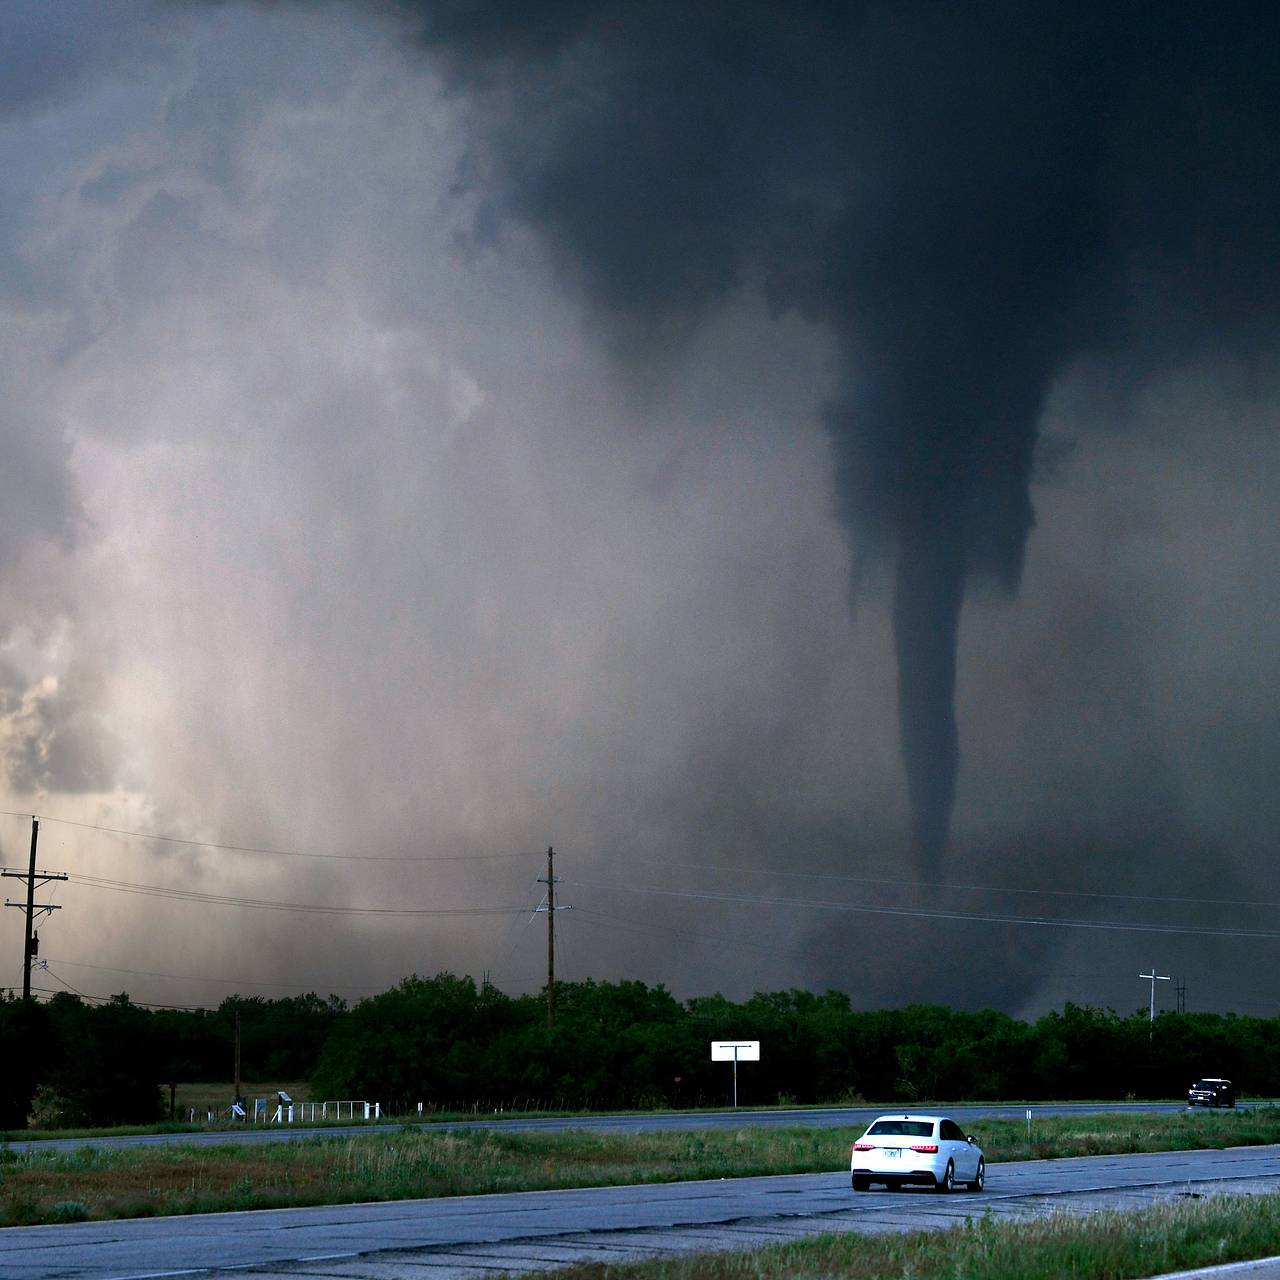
[
  {"x": 865, "y": 1146},
  {"x": 928, "y": 1148}
]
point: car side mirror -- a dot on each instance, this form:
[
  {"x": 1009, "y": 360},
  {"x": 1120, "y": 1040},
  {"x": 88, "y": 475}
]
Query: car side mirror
[{"x": 969, "y": 1139}]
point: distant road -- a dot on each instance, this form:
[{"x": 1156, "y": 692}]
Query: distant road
[
  {"x": 654, "y": 1122},
  {"x": 447, "y": 1239}
]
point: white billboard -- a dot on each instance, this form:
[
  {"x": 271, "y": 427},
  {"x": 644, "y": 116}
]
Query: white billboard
[{"x": 735, "y": 1051}]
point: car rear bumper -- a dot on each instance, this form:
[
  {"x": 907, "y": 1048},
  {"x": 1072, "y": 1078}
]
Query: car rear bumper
[{"x": 928, "y": 1176}]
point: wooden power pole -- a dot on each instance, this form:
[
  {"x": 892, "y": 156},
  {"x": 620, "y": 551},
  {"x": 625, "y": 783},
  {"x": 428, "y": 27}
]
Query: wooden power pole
[
  {"x": 551, "y": 935},
  {"x": 550, "y": 881},
  {"x": 31, "y": 908}
]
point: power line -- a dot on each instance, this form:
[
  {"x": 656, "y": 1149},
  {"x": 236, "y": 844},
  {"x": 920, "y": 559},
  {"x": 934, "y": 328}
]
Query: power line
[
  {"x": 280, "y": 853},
  {"x": 920, "y": 913},
  {"x": 95, "y": 999},
  {"x": 267, "y": 904},
  {"x": 602, "y": 919},
  {"x": 191, "y": 977},
  {"x": 953, "y": 888},
  {"x": 512, "y": 936},
  {"x": 44, "y": 964},
  {"x": 701, "y": 866}
]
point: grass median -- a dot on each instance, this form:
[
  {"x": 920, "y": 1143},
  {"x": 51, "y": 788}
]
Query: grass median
[
  {"x": 102, "y": 1182},
  {"x": 1107, "y": 1246}
]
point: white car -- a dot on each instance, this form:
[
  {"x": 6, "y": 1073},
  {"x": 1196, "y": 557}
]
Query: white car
[{"x": 933, "y": 1150}]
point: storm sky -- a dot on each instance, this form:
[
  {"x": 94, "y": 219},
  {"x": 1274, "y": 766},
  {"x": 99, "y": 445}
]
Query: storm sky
[{"x": 814, "y": 465}]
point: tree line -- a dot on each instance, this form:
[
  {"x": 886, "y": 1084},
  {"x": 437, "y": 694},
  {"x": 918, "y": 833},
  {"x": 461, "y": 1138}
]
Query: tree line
[{"x": 449, "y": 1043}]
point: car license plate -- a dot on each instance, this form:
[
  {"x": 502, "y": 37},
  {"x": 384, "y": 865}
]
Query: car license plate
[{"x": 893, "y": 1151}]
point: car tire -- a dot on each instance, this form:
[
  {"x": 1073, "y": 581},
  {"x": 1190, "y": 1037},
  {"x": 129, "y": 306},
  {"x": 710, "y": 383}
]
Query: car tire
[
  {"x": 861, "y": 1184},
  {"x": 947, "y": 1182},
  {"x": 979, "y": 1178}
]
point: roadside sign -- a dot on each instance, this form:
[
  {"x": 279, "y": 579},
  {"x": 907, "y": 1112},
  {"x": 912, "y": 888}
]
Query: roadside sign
[{"x": 735, "y": 1051}]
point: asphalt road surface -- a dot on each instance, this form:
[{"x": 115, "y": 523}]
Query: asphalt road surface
[
  {"x": 814, "y": 1117},
  {"x": 474, "y": 1235}
]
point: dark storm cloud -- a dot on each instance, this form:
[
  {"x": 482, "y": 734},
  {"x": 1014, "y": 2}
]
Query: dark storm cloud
[
  {"x": 329, "y": 526},
  {"x": 968, "y": 196}
]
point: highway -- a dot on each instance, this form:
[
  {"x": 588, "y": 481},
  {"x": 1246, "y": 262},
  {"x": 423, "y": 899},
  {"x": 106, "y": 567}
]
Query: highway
[
  {"x": 474, "y": 1235},
  {"x": 650, "y": 1122}
]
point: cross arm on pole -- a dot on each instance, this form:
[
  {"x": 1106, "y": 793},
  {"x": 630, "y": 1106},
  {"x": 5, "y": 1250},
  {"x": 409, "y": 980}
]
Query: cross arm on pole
[
  {"x": 1155, "y": 977},
  {"x": 39, "y": 877},
  {"x": 38, "y": 909}
]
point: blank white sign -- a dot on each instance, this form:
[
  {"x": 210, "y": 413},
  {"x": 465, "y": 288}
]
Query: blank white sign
[{"x": 748, "y": 1050}]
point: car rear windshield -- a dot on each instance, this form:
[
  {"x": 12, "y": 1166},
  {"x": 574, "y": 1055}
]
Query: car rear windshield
[{"x": 901, "y": 1129}]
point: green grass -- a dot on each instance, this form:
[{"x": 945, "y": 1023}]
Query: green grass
[
  {"x": 102, "y": 1131},
  {"x": 1112, "y": 1133},
  {"x": 420, "y": 1161},
  {"x": 1108, "y": 1246},
  {"x": 414, "y": 1161}
]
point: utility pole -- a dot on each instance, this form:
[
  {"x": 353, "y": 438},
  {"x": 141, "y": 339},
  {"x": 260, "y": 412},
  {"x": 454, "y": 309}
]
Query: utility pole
[
  {"x": 31, "y": 908},
  {"x": 1180, "y": 987},
  {"x": 551, "y": 935},
  {"x": 550, "y": 881},
  {"x": 1155, "y": 977},
  {"x": 237, "y": 1084}
]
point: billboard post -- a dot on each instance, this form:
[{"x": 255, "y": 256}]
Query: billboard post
[{"x": 735, "y": 1051}]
